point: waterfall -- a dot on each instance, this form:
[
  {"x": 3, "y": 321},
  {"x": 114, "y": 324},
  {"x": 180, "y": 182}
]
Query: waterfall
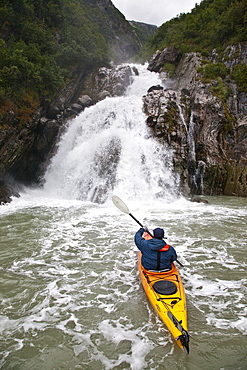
[
  {"x": 182, "y": 116},
  {"x": 196, "y": 169},
  {"x": 191, "y": 139},
  {"x": 108, "y": 148}
]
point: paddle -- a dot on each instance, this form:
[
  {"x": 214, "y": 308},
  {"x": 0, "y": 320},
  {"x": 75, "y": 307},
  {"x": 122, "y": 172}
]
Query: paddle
[{"x": 123, "y": 207}]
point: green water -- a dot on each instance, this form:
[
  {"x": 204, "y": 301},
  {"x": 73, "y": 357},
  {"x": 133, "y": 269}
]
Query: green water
[{"x": 71, "y": 296}]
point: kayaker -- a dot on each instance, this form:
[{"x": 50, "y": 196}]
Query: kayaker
[{"x": 157, "y": 255}]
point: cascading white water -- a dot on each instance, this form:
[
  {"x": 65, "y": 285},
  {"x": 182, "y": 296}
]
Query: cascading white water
[
  {"x": 108, "y": 148},
  {"x": 191, "y": 140}
]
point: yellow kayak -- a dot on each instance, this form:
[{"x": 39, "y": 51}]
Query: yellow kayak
[
  {"x": 164, "y": 290},
  {"x": 166, "y": 293}
]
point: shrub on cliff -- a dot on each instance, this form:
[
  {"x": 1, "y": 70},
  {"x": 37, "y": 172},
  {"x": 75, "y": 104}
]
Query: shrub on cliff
[
  {"x": 215, "y": 70},
  {"x": 239, "y": 74}
]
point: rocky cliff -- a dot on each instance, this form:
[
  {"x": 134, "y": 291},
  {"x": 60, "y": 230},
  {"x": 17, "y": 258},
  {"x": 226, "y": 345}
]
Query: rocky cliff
[{"x": 203, "y": 118}]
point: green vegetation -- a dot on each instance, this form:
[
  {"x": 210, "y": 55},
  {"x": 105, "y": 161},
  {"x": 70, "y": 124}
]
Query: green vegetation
[
  {"x": 169, "y": 68},
  {"x": 215, "y": 70},
  {"x": 212, "y": 24},
  {"x": 215, "y": 73},
  {"x": 220, "y": 89},
  {"x": 239, "y": 74},
  {"x": 41, "y": 44}
]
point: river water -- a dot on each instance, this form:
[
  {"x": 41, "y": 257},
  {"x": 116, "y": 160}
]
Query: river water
[{"x": 71, "y": 297}]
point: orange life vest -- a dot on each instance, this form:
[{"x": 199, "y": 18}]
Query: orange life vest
[
  {"x": 148, "y": 237},
  {"x": 165, "y": 248}
]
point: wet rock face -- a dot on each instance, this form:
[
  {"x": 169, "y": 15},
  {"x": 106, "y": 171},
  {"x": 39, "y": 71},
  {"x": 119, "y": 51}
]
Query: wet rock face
[
  {"x": 7, "y": 189},
  {"x": 168, "y": 55},
  {"x": 207, "y": 134},
  {"x": 167, "y": 123},
  {"x": 234, "y": 55},
  {"x": 109, "y": 82}
]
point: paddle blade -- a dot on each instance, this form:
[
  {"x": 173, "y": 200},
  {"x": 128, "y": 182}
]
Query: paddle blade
[{"x": 120, "y": 204}]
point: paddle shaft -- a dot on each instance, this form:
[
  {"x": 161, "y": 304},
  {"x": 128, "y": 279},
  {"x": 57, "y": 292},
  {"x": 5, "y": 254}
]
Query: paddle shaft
[
  {"x": 135, "y": 219},
  {"x": 140, "y": 224}
]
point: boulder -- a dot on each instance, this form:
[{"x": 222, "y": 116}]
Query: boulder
[
  {"x": 113, "y": 80},
  {"x": 53, "y": 111},
  {"x": 76, "y": 108},
  {"x": 168, "y": 55},
  {"x": 103, "y": 94},
  {"x": 85, "y": 101}
]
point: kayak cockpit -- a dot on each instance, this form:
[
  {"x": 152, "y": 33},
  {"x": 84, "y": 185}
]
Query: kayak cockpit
[{"x": 165, "y": 287}]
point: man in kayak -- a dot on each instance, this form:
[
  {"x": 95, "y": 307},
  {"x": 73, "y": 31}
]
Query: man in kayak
[{"x": 157, "y": 255}]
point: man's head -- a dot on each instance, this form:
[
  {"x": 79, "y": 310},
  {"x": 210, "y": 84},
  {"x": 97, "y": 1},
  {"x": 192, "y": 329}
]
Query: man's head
[{"x": 158, "y": 233}]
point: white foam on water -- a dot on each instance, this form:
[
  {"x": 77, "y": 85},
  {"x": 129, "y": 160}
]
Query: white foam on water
[
  {"x": 7, "y": 324},
  {"x": 140, "y": 346},
  {"x": 85, "y": 268},
  {"x": 240, "y": 324}
]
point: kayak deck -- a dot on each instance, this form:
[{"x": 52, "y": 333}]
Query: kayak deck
[{"x": 166, "y": 293}]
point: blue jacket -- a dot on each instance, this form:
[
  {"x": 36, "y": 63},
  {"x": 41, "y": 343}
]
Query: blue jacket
[{"x": 149, "y": 249}]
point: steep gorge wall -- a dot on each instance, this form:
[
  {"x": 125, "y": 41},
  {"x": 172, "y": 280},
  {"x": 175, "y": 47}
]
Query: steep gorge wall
[{"x": 208, "y": 133}]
